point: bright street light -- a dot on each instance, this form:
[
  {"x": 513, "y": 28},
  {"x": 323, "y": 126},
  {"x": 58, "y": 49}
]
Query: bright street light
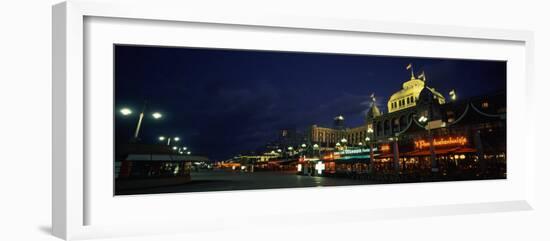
[
  {"x": 188, "y": 153},
  {"x": 422, "y": 119},
  {"x": 304, "y": 145},
  {"x": 162, "y": 138},
  {"x": 344, "y": 140},
  {"x": 174, "y": 148},
  {"x": 315, "y": 146},
  {"x": 185, "y": 148},
  {"x": 157, "y": 115},
  {"x": 176, "y": 138},
  {"x": 367, "y": 138},
  {"x": 125, "y": 111},
  {"x": 290, "y": 148}
]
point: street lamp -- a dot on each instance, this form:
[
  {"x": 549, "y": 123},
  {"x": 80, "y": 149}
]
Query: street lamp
[
  {"x": 188, "y": 153},
  {"x": 435, "y": 166},
  {"x": 316, "y": 148},
  {"x": 126, "y": 111},
  {"x": 157, "y": 115},
  {"x": 422, "y": 119},
  {"x": 304, "y": 145},
  {"x": 169, "y": 139},
  {"x": 370, "y": 132}
]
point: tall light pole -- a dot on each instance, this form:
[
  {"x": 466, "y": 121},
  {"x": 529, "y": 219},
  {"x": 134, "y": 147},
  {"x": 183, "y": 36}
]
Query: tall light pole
[
  {"x": 169, "y": 139},
  {"x": 370, "y": 132},
  {"x": 127, "y": 111},
  {"x": 316, "y": 148},
  {"x": 433, "y": 159}
]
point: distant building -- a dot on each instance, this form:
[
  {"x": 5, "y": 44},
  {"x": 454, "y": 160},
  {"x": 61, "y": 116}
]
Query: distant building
[{"x": 285, "y": 138}]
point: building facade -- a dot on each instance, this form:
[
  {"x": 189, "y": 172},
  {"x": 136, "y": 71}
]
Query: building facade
[{"x": 422, "y": 131}]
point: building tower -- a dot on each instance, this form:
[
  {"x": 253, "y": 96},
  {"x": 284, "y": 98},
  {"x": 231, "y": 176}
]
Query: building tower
[
  {"x": 409, "y": 94},
  {"x": 339, "y": 122}
]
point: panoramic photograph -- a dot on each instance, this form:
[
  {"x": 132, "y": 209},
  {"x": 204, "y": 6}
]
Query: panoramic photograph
[{"x": 192, "y": 119}]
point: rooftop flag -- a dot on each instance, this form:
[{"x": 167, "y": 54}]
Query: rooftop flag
[{"x": 410, "y": 67}]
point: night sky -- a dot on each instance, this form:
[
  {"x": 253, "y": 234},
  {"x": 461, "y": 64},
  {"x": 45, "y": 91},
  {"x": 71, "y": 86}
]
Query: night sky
[{"x": 223, "y": 102}]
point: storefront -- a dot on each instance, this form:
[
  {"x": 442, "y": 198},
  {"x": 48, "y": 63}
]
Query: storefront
[{"x": 348, "y": 161}]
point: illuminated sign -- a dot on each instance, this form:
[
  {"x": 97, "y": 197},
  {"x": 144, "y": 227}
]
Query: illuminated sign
[
  {"x": 306, "y": 159},
  {"x": 355, "y": 151},
  {"x": 444, "y": 141},
  {"x": 320, "y": 167},
  {"x": 331, "y": 156},
  {"x": 385, "y": 148}
]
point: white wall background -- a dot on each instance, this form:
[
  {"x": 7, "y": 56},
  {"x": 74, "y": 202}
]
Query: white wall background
[{"x": 25, "y": 119}]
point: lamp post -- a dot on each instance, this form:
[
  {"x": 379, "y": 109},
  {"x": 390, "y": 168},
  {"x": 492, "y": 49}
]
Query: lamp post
[
  {"x": 371, "y": 151},
  {"x": 316, "y": 149},
  {"x": 433, "y": 159},
  {"x": 169, "y": 139},
  {"x": 127, "y": 111}
]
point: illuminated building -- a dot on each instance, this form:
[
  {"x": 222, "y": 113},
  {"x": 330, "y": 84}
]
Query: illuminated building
[
  {"x": 466, "y": 133},
  {"x": 408, "y": 96}
]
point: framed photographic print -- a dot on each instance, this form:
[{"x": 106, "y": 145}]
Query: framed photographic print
[{"x": 225, "y": 119}]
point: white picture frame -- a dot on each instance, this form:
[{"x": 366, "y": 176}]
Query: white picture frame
[{"x": 72, "y": 191}]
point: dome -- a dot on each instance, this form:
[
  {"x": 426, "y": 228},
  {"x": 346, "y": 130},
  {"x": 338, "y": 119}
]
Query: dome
[
  {"x": 406, "y": 97},
  {"x": 429, "y": 95},
  {"x": 426, "y": 95},
  {"x": 411, "y": 92},
  {"x": 373, "y": 112}
]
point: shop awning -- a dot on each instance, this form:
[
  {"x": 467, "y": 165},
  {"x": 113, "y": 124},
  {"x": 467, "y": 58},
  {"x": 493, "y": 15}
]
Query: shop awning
[
  {"x": 282, "y": 162},
  {"x": 439, "y": 151}
]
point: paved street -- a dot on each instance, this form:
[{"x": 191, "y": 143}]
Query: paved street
[{"x": 228, "y": 180}]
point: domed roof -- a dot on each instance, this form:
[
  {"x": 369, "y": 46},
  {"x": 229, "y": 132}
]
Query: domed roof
[
  {"x": 429, "y": 95},
  {"x": 426, "y": 95},
  {"x": 373, "y": 112}
]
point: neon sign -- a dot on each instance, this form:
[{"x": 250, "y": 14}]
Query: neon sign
[
  {"x": 355, "y": 151},
  {"x": 385, "y": 148},
  {"x": 444, "y": 141},
  {"x": 331, "y": 156}
]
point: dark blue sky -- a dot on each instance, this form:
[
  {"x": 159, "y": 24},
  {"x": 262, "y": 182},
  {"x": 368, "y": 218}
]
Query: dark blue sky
[{"x": 221, "y": 102}]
